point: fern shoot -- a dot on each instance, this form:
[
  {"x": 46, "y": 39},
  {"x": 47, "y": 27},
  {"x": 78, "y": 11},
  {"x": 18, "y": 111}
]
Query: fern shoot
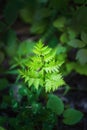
[{"x": 42, "y": 69}]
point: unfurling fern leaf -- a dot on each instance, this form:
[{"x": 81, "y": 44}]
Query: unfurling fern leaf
[{"x": 42, "y": 69}]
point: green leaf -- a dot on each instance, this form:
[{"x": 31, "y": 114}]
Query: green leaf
[
  {"x": 71, "y": 33},
  {"x": 22, "y": 91},
  {"x": 84, "y": 37},
  {"x": 36, "y": 83},
  {"x": 55, "y": 104},
  {"x": 35, "y": 107},
  {"x": 14, "y": 103},
  {"x": 64, "y": 38},
  {"x": 60, "y": 23},
  {"x": 76, "y": 43},
  {"x": 31, "y": 81},
  {"x": 72, "y": 116},
  {"x": 82, "y": 56},
  {"x": 25, "y": 47},
  {"x": 11, "y": 11},
  {"x": 61, "y": 49},
  {"x": 11, "y": 47},
  {"x": 79, "y": 20},
  {"x": 38, "y": 27},
  {"x": 26, "y": 15},
  {"x": 81, "y": 69}
]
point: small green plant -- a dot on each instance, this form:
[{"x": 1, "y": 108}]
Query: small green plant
[
  {"x": 42, "y": 69},
  {"x": 42, "y": 76}
]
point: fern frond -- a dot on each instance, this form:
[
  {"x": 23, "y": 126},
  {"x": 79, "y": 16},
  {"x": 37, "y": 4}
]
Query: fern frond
[
  {"x": 30, "y": 82},
  {"x": 53, "y": 82},
  {"x": 42, "y": 69},
  {"x": 50, "y": 56},
  {"x": 41, "y": 50},
  {"x": 51, "y": 67},
  {"x": 46, "y": 51}
]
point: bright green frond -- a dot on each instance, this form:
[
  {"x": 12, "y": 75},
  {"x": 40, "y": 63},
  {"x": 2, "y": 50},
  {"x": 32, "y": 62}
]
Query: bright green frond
[
  {"x": 51, "y": 67},
  {"x": 42, "y": 69},
  {"x": 50, "y": 56}
]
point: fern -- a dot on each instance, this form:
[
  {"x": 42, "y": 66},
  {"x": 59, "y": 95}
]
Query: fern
[{"x": 42, "y": 69}]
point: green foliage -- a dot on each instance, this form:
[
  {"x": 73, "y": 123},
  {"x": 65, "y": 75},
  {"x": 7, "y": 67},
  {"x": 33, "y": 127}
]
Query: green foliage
[
  {"x": 41, "y": 72},
  {"x": 68, "y": 23},
  {"x": 77, "y": 22},
  {"x": 76, "y": 43},
  {"x": 82, "y": 56},
  {"x": 84, "y": 37},
  {"x": 82, "y": 69},
  {"x": 11, "y": 11},
  {"x": 11, "y": 41},
  {"x": 72, "y": 116},
  {"x": 61, "y": 24},
  {"x": 25, "y": 47},
  {"x": 55, "y": 104},
  {"x": 42, "y": 69}
]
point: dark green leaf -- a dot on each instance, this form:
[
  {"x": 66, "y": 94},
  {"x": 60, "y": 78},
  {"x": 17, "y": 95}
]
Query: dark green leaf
[
  {"x": 11, "y": 47},
  {"x": 26, "y": 15},
  {"x": 23, "y": 91},
  {"x": 11, "y": 11},
  {"x": 72, "y": 116},
  {"x": 55, "y": 104}
]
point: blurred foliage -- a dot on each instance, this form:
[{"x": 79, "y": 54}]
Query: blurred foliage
[
  {"x": 58, "y": 22},
  {"x": 63, "y": 25}
]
